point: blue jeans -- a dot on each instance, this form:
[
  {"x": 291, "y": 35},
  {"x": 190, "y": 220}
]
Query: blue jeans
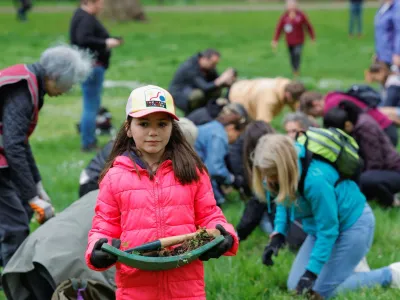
[
  {"x": 218, "y": 195},
  {"x": 91, "y": 90},
  {"x": 355, "y": 17},
  {"x": 337, "y": 275}
]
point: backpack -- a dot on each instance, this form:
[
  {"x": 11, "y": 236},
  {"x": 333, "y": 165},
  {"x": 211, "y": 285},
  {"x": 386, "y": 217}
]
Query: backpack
[
  {"x": 333, "y": 146},
  {"x": 365, "y": 94},
  {"x": 80, "y": 289}
]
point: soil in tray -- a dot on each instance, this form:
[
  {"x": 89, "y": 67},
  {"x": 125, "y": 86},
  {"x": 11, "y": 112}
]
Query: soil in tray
[{"x": 201, "y": 238}]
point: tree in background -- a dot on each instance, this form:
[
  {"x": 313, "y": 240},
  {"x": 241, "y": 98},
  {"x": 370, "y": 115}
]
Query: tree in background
[{"x": 123, "y": 10}]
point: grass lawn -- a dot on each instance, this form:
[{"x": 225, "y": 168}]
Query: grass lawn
[{"x": 151, "y": 54}]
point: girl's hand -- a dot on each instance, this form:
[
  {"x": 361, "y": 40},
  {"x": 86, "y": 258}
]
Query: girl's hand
[
  {"x": 100, "y": 259},
  {"x": 274, "y": 45},
  {"x": 221, "y": 248}
]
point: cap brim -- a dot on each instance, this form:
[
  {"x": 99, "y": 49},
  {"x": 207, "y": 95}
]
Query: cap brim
[{"x": 143, "y": 113}]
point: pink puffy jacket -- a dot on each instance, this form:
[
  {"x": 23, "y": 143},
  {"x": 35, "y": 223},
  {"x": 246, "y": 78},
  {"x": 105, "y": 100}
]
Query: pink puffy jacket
[{"x": 139, "y": 210}]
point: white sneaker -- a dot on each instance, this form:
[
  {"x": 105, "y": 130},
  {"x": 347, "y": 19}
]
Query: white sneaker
[
  {"x": 362, "y": 266},
  {"x": 395, "y": 268}
]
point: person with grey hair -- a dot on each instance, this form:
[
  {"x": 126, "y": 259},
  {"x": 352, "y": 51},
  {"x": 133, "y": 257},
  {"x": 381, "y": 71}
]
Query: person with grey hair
[
  {"x": 22, "y": 91},
  {"x": 296, "y": 122}
]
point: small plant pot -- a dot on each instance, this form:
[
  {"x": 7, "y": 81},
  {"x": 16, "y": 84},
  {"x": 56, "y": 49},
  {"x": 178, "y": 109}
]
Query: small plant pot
[{"x": 160, "y": 263}]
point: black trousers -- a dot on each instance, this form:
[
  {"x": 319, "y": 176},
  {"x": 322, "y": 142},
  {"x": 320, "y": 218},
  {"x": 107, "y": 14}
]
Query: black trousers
[
  {"x": 295, "y": 56},
  {"x": 380, "y": 185},
  {"x": 14, "y": 218}
]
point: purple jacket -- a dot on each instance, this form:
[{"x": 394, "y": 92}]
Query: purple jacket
[
  {"x": 375, "y": 147},
  {"x": 387, "y": 31}
]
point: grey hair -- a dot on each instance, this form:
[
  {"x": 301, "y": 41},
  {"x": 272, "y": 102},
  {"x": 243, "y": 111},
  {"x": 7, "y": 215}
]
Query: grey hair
[
  {"x": 67, "y": 65},
  {"x": 299, "y": 117}
]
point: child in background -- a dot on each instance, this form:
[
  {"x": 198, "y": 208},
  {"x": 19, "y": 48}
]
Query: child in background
[
  {"x": 293, "y": 22},
  {"x": 153, "y": 186},
  {"x": 212, "y": 146}
]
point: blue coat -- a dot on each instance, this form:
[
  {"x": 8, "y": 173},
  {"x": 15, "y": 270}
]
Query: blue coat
[
  {"x": 387, "y": 32},
  {"x": 325, "y": 210},
  {"x": 212, "y": 147}
]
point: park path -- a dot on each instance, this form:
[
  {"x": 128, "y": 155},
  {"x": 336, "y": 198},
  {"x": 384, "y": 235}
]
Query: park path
[{"x": 205, "y": 8}]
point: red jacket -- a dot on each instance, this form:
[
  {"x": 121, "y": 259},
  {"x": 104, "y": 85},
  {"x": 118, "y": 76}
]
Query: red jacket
[
  {"x": 138, "y": 210},
  {"x": 294, "y": 28}
]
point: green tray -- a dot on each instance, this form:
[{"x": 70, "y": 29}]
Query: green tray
[{"x": 160, "y": 263}]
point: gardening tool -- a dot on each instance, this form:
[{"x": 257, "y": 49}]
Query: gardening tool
[
  {"x": 169, "y": 241},
  {"x": 144, "y": 262}
]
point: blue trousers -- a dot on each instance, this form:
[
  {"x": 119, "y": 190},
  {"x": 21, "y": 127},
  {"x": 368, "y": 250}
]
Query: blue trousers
[
  {"x": 337, "y": 275},
  {"x": 355, "y": 17},
  {"x": 91, "y": 90}
]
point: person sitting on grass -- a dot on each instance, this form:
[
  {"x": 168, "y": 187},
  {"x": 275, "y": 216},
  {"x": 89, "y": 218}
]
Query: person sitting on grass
[
  {"x": 317, "y": 105},
  {"x": 212, "y": 146},
  {"x": 296, "y": 122},
  {"x": 380, "y": 178},
  {"x": 22, "y": 91},
  {"x": 154, "y": 185},
  {"x": 196, "y": 81},
  {"x": 265, "y": 98},
  {"x": 338, "y": 220}
]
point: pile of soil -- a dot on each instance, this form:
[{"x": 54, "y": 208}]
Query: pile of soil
[{"x": 201, "y": 238}]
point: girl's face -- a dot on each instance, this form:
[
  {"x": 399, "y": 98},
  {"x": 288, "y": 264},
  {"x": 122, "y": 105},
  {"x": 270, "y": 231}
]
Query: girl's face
[{"x": 151, "y": 133}]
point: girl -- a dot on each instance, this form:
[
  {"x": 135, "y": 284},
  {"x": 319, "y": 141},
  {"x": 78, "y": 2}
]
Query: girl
[
  {"x": 381, "y": 175},
  {"x": 338, "y": 221},
  {"x": 293, "y": 22},
  {"x": 154, "y": 185},
  {"x": 380, "y": 72},
  {"x": 212, "y": 146},
  {"x": 256, "y": 211}
]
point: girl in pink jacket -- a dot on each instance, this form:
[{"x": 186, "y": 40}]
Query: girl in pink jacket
[{"x": 154, "y": 185}]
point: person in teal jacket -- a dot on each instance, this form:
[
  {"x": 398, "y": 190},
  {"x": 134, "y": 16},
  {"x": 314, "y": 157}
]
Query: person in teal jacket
[{"x": 337, "y": 219}]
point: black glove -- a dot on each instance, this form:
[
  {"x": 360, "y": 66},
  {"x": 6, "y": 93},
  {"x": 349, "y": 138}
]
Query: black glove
[
  {"x": 277, "y": 242},
  {"x": 306, "y": 283},
  {"x": 221, "y": 248},
  {"x": 100, "y": 259}
]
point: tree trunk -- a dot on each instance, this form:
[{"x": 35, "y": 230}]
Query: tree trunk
[{"x": 123, "y": 10}]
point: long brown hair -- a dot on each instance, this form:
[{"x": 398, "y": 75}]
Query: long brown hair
[{"x": 185, "y": 161}]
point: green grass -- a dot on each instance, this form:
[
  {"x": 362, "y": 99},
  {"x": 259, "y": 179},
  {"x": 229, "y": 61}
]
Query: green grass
[{"x": 151, "y": 54}]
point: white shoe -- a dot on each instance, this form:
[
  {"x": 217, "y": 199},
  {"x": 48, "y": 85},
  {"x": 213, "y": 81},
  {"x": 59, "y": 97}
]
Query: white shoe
[
  {"x": 362, "y": 266},
  {"x": 395, "y": 268}
]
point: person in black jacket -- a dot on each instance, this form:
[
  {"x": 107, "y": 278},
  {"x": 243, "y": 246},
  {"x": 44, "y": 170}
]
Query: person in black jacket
[
  {"x": 24, "y": 7},
  {"x": 87, "y": 32},
  {"x": 22, "y": 91},
  {"x": 196, "y": 81}
]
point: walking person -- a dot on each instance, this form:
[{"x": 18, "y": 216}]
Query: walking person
[
  {"x": 87, "y": 32},
  {"x": 293, "y": 22},
  {"x": 356, "y": 8}
]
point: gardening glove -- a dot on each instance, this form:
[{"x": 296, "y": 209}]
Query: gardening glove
[
  {"x": 306, "y": 282},
  {"x": 277, "y": 242},
  {"x": 42, "y": 193},
  {"x": 101, "y": 259},
  {"x": 221, "y": 248},
  {"x": 43, "y": 210}
]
